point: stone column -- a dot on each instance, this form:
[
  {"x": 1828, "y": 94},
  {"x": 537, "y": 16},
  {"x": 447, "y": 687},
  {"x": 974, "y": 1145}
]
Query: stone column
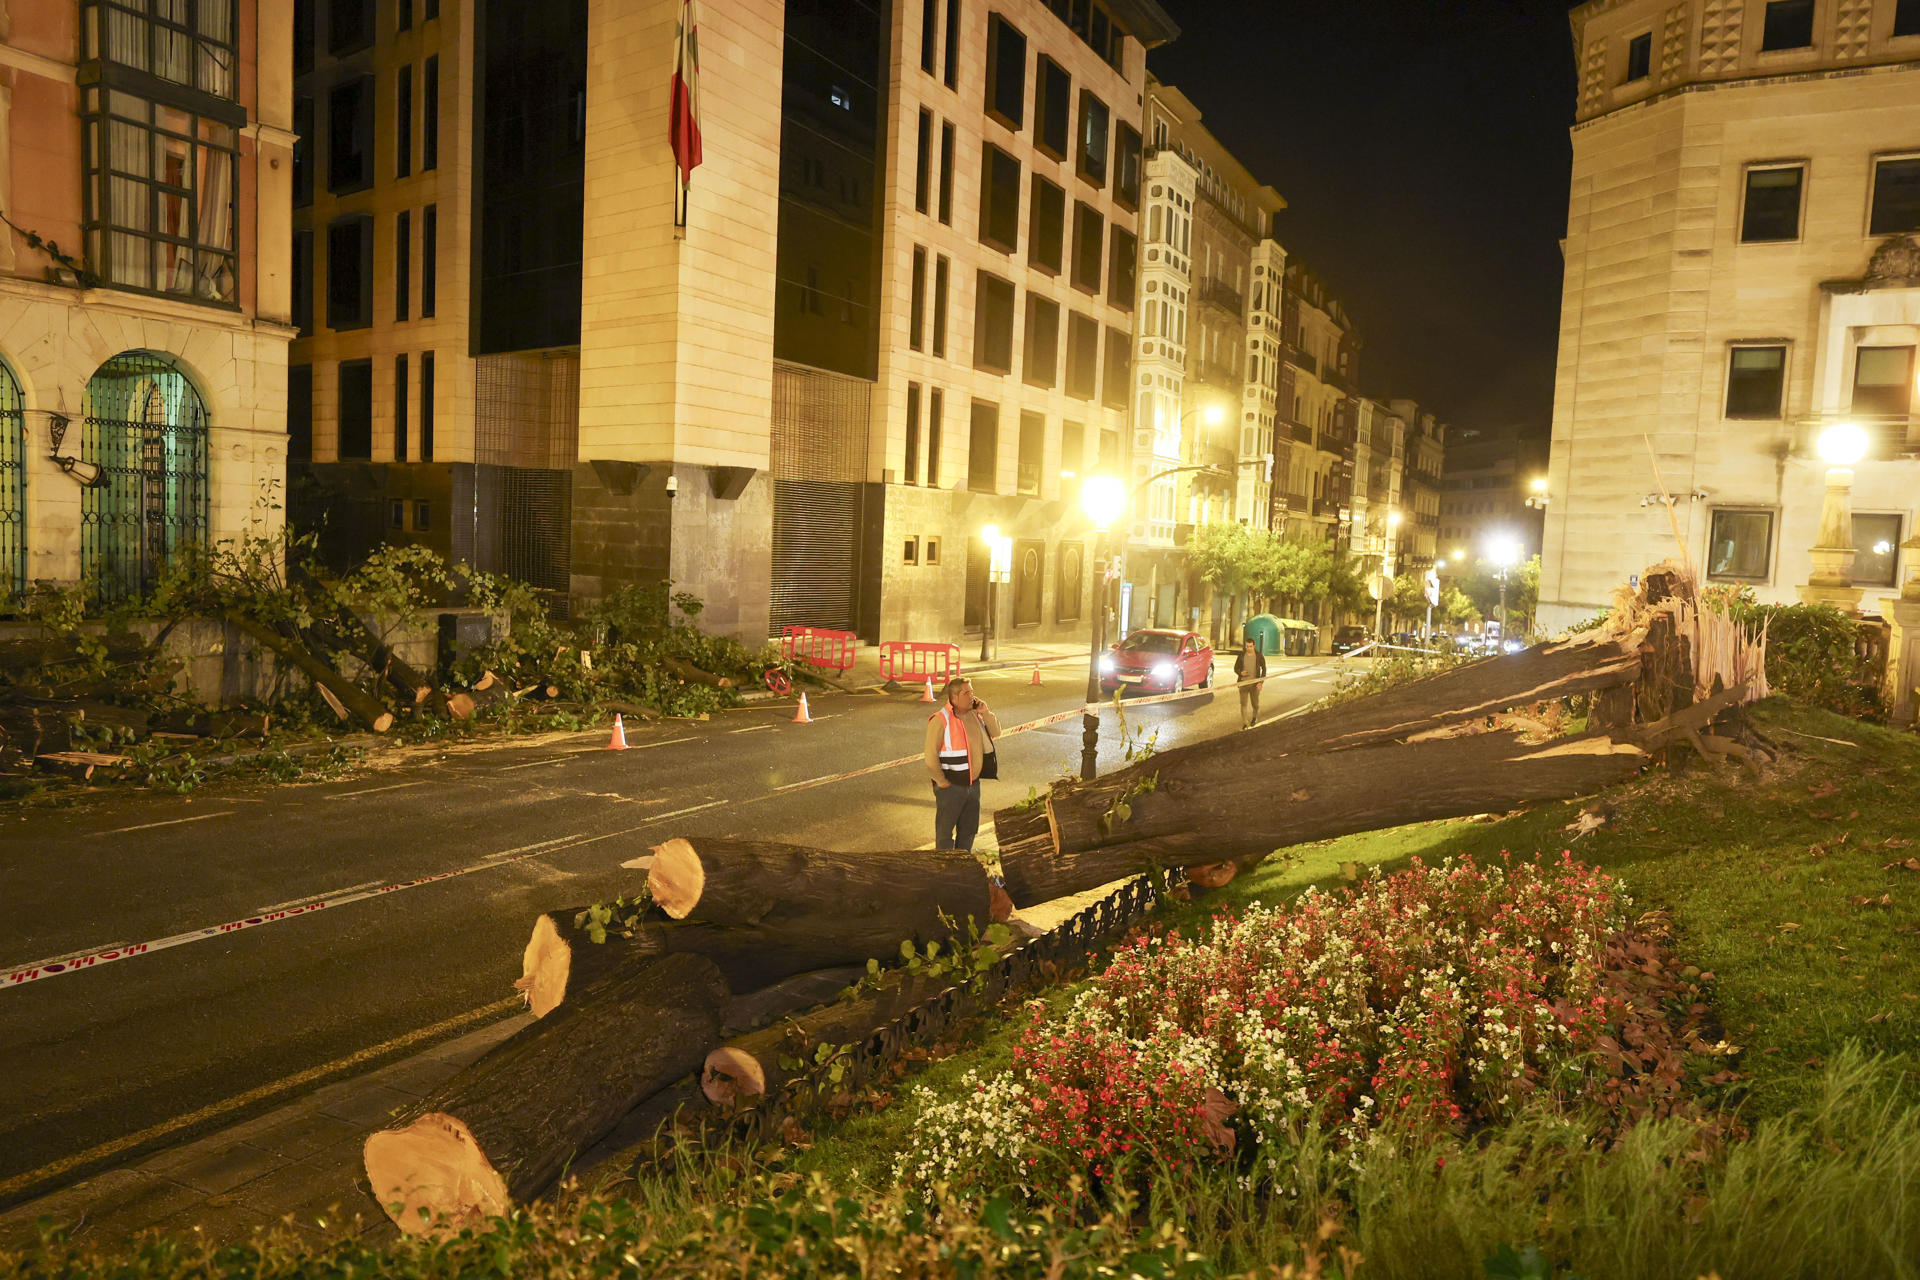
[
  {"x": 1832, "y": 579},
  {"x": 1903, "y": 645}
]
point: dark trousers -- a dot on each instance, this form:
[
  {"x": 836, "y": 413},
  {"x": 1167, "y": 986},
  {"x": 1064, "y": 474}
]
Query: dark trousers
[
  {"x": 1249, "y": 703},
  {"x": 956, "y": 816}
]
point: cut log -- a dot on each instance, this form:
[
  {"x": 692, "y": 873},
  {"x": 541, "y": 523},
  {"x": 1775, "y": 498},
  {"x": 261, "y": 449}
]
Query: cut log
[
  {"x": 460, "y": 706},
  {"x": 216, "y": 724},
  {"x": 26, "y": 655},
  {"x": 694, "y": 675},
  {"x": 499, "y": 1132},
  {"x": 749, "y": 882},
  {"x": 342, "y": 691},
  {"x": 78, "y": 764}
]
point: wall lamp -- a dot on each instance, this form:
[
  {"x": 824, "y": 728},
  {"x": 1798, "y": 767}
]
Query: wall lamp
[{"x": 91, "y": 475}]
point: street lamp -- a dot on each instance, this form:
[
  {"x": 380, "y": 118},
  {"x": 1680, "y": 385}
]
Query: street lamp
[
  {"x": 999, "y": 570},
  {"x": 1386, "y": 572},
  {"x": 1538, "y": 496},
  {"x": 1831, "y": 582},
  {"x": 1103, "y": 498},
  {"x": 1505, "y": 552}
]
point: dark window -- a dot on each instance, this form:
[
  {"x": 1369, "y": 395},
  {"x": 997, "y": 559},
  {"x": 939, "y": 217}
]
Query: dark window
[
  {"x": 302, "y": 36},
  {"x": 426, "y": 379},
  {"x": 1046, "y": 226},
  {"x": 1789, "y": 25},
  {"x": 1006, "y": 72},
  {"x": 302, "y": 152},
  {"x": 1896, "y": 196},
  {"x": 403, "y": 15},
  {"x": 1876, "y": 550},
  {"x": 397, "y": 513},
  {"x": 993, "y": 324},
  {"x": 1033, "y": 452},
  {"x": 1906, "y": 18},
  {"x": 1755, "y": 376},
  {"x": 349, "y": 26},
  {"x": 923, "y": 164},
  {"x": 1883, "y": 381},
  {"x": 300, "y": 413},
  {"x": 1083, "y": 357},
  {"x": 430, "y": 116},
  {"x": 940, "y": 274},
  {"x": 934, "y": 405},
  {"x": 422, "y": 510},
  {"x": 912, "y": 472},
  {"x": 194, "y": 46},
  {"x": 946, "y": 173},
  {"x": 1078, "y": 15},
  {"x": 1073, "y": 446},
  {"x": 929, "y": 34},
  {"x": 999, "y": 199},
  {"x": 1639, "y": 57},
  {"x": 402, "y": 264},
  {"x": 1052, "y": 107},
  {"x": 302, "y": 282},
  {"x": 350, "y": 273},
  {"x": 953, "y": 44},
  {"x": 911, "y": 553},
  {"x": 403, "y": 123},
  {"x": 1120, "y": 269},
  {"x": 1040, "y": 363},
  {"x": 983, "y": 448},
  {"x": 433, "y": 11},
  {"x": 350, "y": 135},
  {"x": 1740, "y": 546},
  {"x": 400, "y": 408},
  {"x": 356, "y": 409},
  {"x": 1126, "y": 165},
  {"x": 1092, "y": 164},
  {"x": 1772, "y": 209},
  {"x": 917, "y": 322},
  {"x": 1089, "y": 229},
  {"x": 429, "y": 259},
  {"x": 1113, "y": 386}
]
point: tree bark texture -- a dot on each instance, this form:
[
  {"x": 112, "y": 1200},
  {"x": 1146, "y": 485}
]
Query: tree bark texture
[
  {"x": 749, "y": 882},
  {"x": 361, "y": 704}
]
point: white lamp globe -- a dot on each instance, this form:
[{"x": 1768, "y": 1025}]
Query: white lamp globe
[
  {"x": 1103, "y": 498},
  {"x": 1843, "y": 444}
]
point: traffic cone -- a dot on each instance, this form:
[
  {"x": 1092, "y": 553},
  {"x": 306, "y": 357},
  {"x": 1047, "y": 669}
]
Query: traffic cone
[
  {"x": 1036, "y": 674},
  {"x": 619, "y": 739},
  {"x": 928, "y": 695},
  {"x": 800, "y": 715}
]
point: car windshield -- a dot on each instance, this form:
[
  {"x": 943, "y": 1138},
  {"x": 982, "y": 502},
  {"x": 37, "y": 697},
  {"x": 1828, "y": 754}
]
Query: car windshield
[
  {"x": 1150, "y": 642},
  {"x": 1351, "y": 633}
]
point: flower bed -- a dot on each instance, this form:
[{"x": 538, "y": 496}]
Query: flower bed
[{"x": 1435, "y": 998}]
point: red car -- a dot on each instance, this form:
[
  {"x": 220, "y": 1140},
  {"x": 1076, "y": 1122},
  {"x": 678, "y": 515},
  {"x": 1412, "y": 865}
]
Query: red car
[{"x": 1160, "y": 660}]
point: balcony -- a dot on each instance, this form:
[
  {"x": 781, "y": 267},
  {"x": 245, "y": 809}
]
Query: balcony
[
  {"x": 1301, "y": 432},
  {"x": 1327, "y": 508},
  {"x": 1218, "y": 293},
  {"x": 1427, "y": 479},
  {"x": 1301, "y": 360},
  {"x": 1889, "y": 435},
  {"x": 1427, "y": 520}
]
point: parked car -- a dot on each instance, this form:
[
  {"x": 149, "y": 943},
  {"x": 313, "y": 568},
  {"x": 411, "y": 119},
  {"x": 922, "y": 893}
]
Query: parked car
[
  {"x": 1347, "y": 639},
  {"x": 1158, "y": 659}
]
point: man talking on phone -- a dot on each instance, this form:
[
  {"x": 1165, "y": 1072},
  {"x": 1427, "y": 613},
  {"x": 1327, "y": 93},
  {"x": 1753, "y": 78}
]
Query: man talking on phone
[{"x": 959, "y": 755}]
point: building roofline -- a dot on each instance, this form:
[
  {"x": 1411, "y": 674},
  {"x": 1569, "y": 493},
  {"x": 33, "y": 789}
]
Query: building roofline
[{"x": 1145, "y": 21}]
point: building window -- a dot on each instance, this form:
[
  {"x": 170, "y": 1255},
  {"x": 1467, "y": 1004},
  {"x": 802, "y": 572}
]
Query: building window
[
  {"x": 1033, "y": 453},
  {"x": 1092, "y": 164},
  {"x": 1120, "y": 269},
  {"x": 192, "y": 45},
  {"x": 999, "y": 200},
  {"x": 403, "y": 122},
  {"x": 929, "y": 34},
  {"x": 1883, "y": 381},
  {"x": 946, "y": 172},
  {"x": 1126, "y": 164},
  {"x": 302, "y": 152},
  {"x": 349, "y": 26},
  {"x": 429, "y": 259},
  {"x": 422, "y": 511},
  {"x": 300, "y": 413},
  {"x": 1006, "y": 72},
  {"x": 1772, "y": 207},
  {"x": 935, "y": 402},
  {"x": 403, "y": 15},
  {"x": 983, "y": 448},
  {"x": 1740, "y": 546},
  {"x": 1040, "y": 362},
  {"x": 400, "y": 408},
  {"x": 1789, "y": 25},
  {"x": 1089, "y": 228},
  {"x": 426, "y": 384},
  {"x": 356, "y": 409},
  {"x": 302, "y": 282},
  {"x": 402, "y": 264},
  {"x": 430, "y": 116},
  {"x": 1755, "y": 379},
  {"x": 1046, "y": 226},
  {"x": 1052, "y": 107},
  {"x": 910, "y": 554},
  {"x": 1896, "y": 196},
  {"x": 397, "y": 513},
  {"x": 350, "y": 272},
  {"x": 993, "y": 324},
  {"x": 1906, "y": 18},
  {"x": 1113, "y": 387},
  {"x": 1876, "y": 548},
  {"x": 923, "y": 164},
  {"x": 1639, "y": 57},
  {"x": 941, "y": 274},
  {"x": 1083, "y": 356},
  {"x": 912, "y": 471},
  {"x": 302, "y": 36},
  {"x": 953, "y": 44},
  {"x": 350, "y": 135},
  {"x": 1073, "y": 446},
  {"x": 917, "y": 322},
  {"x": 930, "y": 552}
]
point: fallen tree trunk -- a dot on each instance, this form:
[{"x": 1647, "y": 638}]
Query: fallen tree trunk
[
  {"x": 694, "y": 675},
  {"x": 348, "y": 695},
  {"x": 26, "y": 655},
  {"x": 499, "y": 1132},
  {"x": 749, "y": 882}
]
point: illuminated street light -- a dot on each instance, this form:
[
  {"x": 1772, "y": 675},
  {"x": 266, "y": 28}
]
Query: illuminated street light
[
  {"x": 1505, "y": 552},
  {"x": 1831, "y": 582},
  {"x": 999, "y": 569},
  {"x": 1104, "y": 499}
]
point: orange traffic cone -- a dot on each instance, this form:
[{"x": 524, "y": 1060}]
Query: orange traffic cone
[
  {"x": 800, "y": 715},
  {"x": 928, "y": 695},
  {"x": 619, "y": 740},
  {"x": 1036, "y": 674}
]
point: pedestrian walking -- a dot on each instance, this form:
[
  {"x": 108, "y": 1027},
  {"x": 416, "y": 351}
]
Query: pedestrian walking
[
  {"x": 1249, "y": 665},
  {"x": 959, "y": 754}
]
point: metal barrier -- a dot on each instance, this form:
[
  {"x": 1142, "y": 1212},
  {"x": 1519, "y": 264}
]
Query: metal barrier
[
  {"x": 819, "y": 647},
  {"x": 911, "y": 661}
]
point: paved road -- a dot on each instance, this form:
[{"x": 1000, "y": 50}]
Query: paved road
[{"x": 132, "y": 1054}]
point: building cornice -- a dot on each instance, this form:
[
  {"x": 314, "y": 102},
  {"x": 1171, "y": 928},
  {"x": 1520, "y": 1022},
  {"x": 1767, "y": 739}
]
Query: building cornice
[
  {"x": 37, "y": 64},
  {"x": 1748, "y": 82}
]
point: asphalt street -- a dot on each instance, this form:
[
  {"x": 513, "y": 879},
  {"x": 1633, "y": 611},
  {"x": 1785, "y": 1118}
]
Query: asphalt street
[{"x": 101, "y": 1062}]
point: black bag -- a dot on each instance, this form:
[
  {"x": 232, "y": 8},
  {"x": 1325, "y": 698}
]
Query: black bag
[{"x": 989, "y": 760}]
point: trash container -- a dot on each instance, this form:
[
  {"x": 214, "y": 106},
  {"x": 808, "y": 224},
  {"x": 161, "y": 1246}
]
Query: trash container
[
  {"x": 1264, "y": 630},
  {"x": 1298, "y": 638}
]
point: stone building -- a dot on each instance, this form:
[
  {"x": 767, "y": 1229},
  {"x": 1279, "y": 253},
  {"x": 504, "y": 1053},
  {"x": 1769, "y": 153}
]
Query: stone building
[
  {"x": 1492, "y": 489},
  {"x": 1318, "y": 387},
  {"x": 1741, "y": 274},
  {"x": 145, "y": 168}
]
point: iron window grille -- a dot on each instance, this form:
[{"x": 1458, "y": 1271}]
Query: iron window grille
[
  {"x": 145, "y": 426},
  {"x": 13, "y": 485}
]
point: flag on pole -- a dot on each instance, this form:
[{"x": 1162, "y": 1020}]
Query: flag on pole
[{"x": 685, "y": 118}]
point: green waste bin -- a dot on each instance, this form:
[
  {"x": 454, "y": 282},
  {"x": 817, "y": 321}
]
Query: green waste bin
[{"x": 1264, "y": 630}]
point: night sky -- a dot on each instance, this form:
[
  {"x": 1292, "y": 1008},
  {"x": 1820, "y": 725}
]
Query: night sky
[{"x": 1422, "y": 148}]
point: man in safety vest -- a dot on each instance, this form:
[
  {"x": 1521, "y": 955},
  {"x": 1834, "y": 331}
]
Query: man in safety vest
[{"x": 959, "y": 752}]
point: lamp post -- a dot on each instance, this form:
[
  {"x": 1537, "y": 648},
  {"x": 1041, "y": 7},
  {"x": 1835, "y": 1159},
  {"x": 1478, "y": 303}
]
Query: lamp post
[
  {"x": 1504, "y": 552},
  {"x": 1831, "y": 582},
  {"x": 1103, "y": 498},
  {"x": 999, "y": 569}
]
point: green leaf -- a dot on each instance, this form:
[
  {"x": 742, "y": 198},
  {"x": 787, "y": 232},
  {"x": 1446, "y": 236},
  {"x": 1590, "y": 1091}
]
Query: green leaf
[
  {"x": 999, "y": 935},
  {"x": 906, "y": 950}
]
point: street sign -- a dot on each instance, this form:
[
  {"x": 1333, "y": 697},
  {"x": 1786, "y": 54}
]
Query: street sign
[
  {"x": 1433, "y": 588},
  {"x": 1633, "y": 581}
]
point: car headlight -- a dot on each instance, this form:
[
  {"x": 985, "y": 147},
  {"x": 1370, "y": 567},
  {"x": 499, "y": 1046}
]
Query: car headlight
[
  {"x": 1163, "y": 671},
  {"x": 1106, "y": 665}
]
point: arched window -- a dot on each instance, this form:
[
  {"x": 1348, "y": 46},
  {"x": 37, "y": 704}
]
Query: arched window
[
  {"x": 146, "y": 428},
  {"x": 13, "y": 485}
]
